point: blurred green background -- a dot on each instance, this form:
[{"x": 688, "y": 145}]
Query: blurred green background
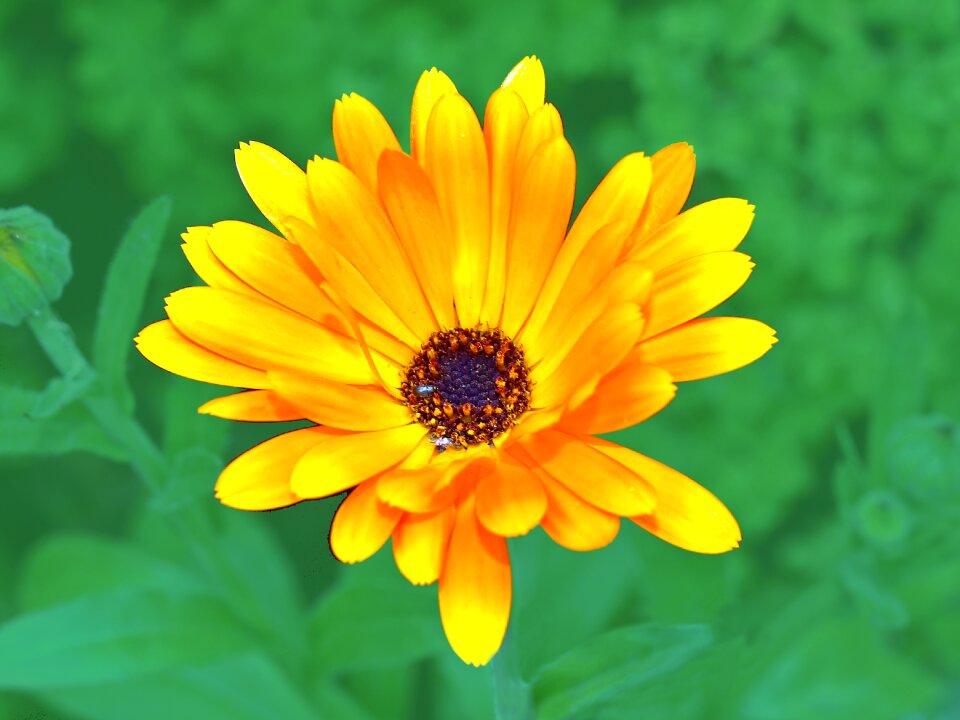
[{"x": 839, "y": 452}]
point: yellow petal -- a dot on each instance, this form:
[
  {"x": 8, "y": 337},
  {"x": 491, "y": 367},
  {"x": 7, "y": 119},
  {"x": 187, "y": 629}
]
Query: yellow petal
[
  {"x": 432, "y": 86},
  {"x": 260, "y": 478},
  {"x": 510, "y": 499},
  {"x": 360, "y": 135},
  {"x": 475, "y": 588},
  {"x": 627, "y": 396},
  {"x": 673, "y": 170},
  {"x": 528, "y": 80},
  {"x": 687, "y": 515},
  {"x": 423, "y": 486},
  {"x": 573, "y": 523},
  {"x": 263, "y": 335},
  {"x": 411, "y": 204},
  {"x": 503, "y": 123},
  {"x": 456, "y": 161},
  {"x": 714, "y": 226},
  {"x": 619, "y": 198},
  {"x": 209, "y": 268},
  {"x": 538, "y": 223},
  {"x": 688, "y": 289},
  {"x": 420, "y": 544},
  {"x": 252, "y": 406},
  {"x": 543, "y": 126},
  {"x": 598, "y": 350},
  {"x": 708, "y": 346},
  {"x": 274, "y": 267},
  {"x": 163, "y": 345},
  {"x": 342, "y": 461},
  {"x": 576, "y": 463},
  {"x": 339, "y": 405},
  {"x": 362, "y": 524},
  {"x": 350, "y": 220},
  {"x": 276, "y": 185}
]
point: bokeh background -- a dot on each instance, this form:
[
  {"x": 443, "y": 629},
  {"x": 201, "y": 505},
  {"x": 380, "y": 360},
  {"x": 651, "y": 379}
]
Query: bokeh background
[{"x": 839, "y": 452}]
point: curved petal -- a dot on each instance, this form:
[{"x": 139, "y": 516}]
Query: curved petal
[
  {"x": 713, "y": 226},
  {"x": 263, "y": 335},
  {"x": 260, "y": 478},
  {"x": 687, "y": 514},
  {"x": 456, "y": 161},
  {"x": 528, "y": 80},
  {"x": 207, "y": 266},
  {"x": 343, "y": 460},
  {"x": 538, "y": 223},
  {"x": 420, "y": 544},
  {"x": 627, "y": 396},
  {"x": 475, "y": 588},
  {"x": 166, "y": 347},
  {"x": 574, "y": 523},
  {"x": 576, "y": 463},
  {"x": 424, "y": 485},
  {"x": 252, "y": 406},
  {"x": 362, "y": 524},
  {"x": 338, "y": 405},
  {"x": 673, "y": 170},
  {"x": 361, "y": 134},
  {"x": 543, "y": 126},
  {"x": 409, "y": 199},
  {"x": 432, "y": 86},
  {"x": 708, "y": 346},
  {"x": 690, "y": 288},
  {"x": 277, "y": 186},
  {"x": 510, "y": 499}
]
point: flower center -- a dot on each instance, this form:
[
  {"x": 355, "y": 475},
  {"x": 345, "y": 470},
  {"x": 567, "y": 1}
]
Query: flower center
[{"x": 467, "y": 386}]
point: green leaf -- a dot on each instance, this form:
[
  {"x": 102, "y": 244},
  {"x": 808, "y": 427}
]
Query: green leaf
[
  {"x": 34, "y": 263},
  {"x": 372, "y": 618},
  {"x": 123, "y": 296},
  {"x": 612, "y": 663},
  {"x": 113, "y": 636},
  {"x": 71, "y": 430}
]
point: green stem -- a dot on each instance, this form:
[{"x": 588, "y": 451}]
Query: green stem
[
  {"x": 511, "y": 694},
  {"x": 57, "y": 341}
]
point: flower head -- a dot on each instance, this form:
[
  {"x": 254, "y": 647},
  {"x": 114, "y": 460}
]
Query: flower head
[{"x": 457, "y": 344}]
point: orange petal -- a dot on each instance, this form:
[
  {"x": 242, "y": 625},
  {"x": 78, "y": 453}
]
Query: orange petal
[
  {"x": 276, "y": 185},
  {"x": 339, "y": 405},
  {"x": 673, "y": 170},
  {"x": 573, "y": 523},
  {"x": 528, "y": 80},
  {"x": 503, "y": 123},
  {"x": 163, "y": 345},
  {"x": 618, "y": 198},
  {"x": 708, "y": 346},
  {"x": 432, "y": 86},
  {"x": 543, "y": 126},
  {"x": 209, "y": 268},
  {"x": 252, "y": 406},
  {"x": 475, "y": 588},
  {"x": 576, "y": 463},
  {"x": 261, "y": 334},
  {"x": 538, "y": 223},
  {"x": 420, "y": 544},
  {"x": 424, "y": 486},
  {"x": 344, "y": 460},
  {"x": 456, "y": 161},
  {"x": 627, "y": 396},
  {"x": 411, "y": 203},
  {"x": 362, "y": 524},
  {"x": 687, "y": 514},
  {"x": 510, "y": 499},
  {"x": 350, "y": 220},
  {"x": 260, "y": 478},
  {"x": 683, "y": 291},
  {"x": 714, "y": 226},
  {"x": 360, "y": 135}
]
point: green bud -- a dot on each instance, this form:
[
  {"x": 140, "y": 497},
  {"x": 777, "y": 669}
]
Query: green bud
[{"x": 34, "y": 263}]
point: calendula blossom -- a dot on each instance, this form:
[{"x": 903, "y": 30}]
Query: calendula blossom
[{"x": 456, "y": 343}]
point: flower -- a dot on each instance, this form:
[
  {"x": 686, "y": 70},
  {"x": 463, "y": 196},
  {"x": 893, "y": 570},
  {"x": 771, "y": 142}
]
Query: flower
[{"x": 456, "y": 346}]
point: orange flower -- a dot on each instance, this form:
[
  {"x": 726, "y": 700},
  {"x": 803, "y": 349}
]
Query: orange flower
[{"x": 456, "y": 346}]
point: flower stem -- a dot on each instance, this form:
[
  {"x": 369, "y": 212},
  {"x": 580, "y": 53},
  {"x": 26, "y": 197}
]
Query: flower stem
[
  {"x": 511, "y": 694},
  {"x": 57, "y": 341}
]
